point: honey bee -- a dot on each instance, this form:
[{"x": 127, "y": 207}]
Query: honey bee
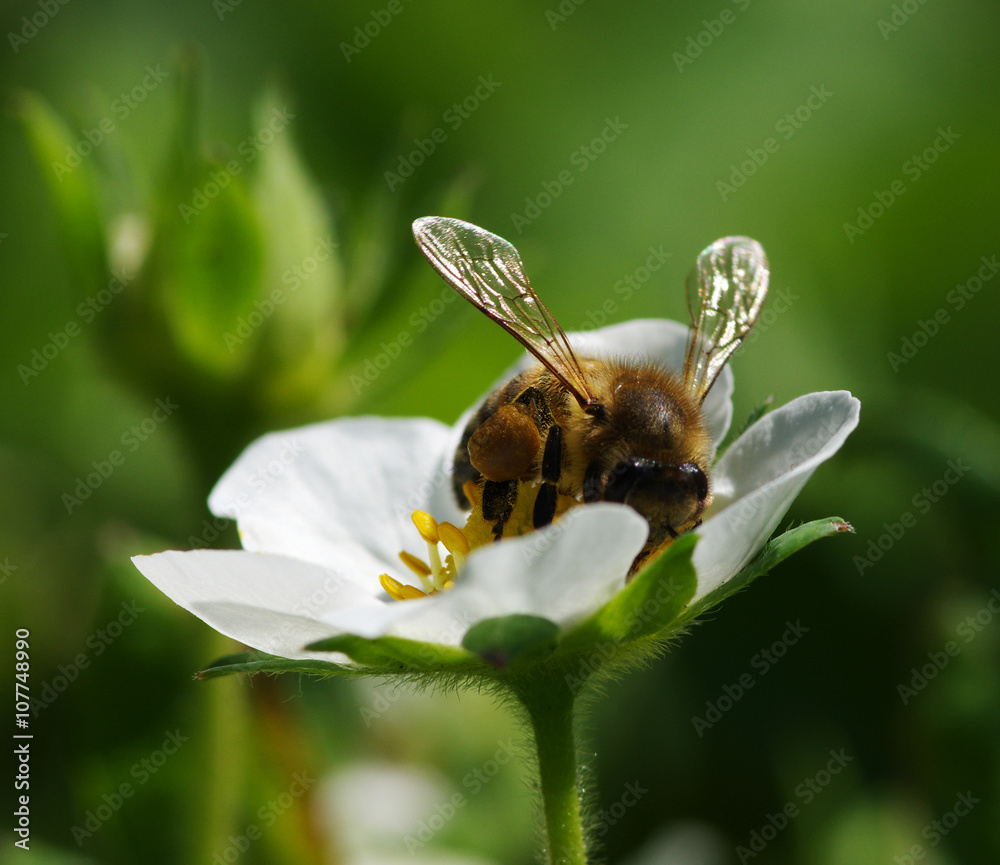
[{"x": 615, "y": 430}]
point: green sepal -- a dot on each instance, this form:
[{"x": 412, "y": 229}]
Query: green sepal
[
  {"x": 303, "y": 275},
  {"x": 508, "y": 640},
  {"x": 652, "y": 603},
  {"x": 396, "y": 654},
  {"x": 206, "y": 266},
  {"x": 775, "y": 551},
  {"x": 258, "y": 662}
]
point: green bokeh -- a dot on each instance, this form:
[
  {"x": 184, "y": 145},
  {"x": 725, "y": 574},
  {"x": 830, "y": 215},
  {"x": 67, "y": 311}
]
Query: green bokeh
[{"x": 852, "y": 308}]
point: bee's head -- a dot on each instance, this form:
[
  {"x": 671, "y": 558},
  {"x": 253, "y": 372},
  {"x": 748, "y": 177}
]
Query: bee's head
[{"x": 670, "y": 497}]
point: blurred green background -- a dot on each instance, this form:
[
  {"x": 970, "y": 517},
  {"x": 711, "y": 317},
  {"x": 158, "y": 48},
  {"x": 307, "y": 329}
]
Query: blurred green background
[{"x": 856, "y": 141}]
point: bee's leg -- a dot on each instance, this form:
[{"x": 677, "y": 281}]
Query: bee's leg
[
  {"x": 545, "y": 504},
  {"x": 592, "y": 487},
  {"x": 498, "y": 504}
]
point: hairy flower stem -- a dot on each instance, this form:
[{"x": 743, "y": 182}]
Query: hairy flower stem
[{"x": 549, "y": 701}]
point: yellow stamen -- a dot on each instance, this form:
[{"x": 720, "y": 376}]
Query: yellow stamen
[
  {"x": 455, "y": 542},
  {"x": 427, "y": 526},
  {"x": 420, "y": 569},
  {"x": 438, "y": 575},
  {"x": 453, "y": 539},
  {"x": 414, "y": 564},
  {"x": 437, "y": 569},
  {"x": 399, "y": 591},
  {"x": 393, "y": 588}
]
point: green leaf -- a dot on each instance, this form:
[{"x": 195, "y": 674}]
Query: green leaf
[
  {"x": 258, "y": 662},
  {"x": 71, "y": 185},
  {"x": 652, "y": 603},
  {"x": 775, "y": 551},
  {"x": 396, "y": 654},
  {"x": 512, "y": 639}
]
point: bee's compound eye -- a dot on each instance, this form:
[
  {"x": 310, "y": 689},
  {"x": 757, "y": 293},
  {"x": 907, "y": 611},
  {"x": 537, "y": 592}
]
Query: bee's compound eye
[
  {"x": 624, "y": 477},
  {"x": 644, "y": 477},
  {"x": 697, "y": 478},
  {"x": 668, "y": 496}
]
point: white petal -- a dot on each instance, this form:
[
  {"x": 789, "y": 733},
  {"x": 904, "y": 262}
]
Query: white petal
[
  {"x": 339, "y": 493},
  {"x": 562, "y": 572},
  {"x": 756, "y": 480},
  {"x": 272, "y": 603}
]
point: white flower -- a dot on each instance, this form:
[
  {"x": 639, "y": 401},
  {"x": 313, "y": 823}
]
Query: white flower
[{"x": 324, "y": 510}]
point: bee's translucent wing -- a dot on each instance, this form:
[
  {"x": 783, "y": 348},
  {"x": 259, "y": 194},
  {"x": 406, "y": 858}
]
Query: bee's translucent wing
[
  {"x": 725, "y": 292},
  {"x": 487, "y": 271}
]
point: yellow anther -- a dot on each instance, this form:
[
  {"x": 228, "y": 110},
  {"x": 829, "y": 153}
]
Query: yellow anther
[
  {"x": 427, "y": 526},
  {"x": 393, "y": 588},
  {"x": 453, "y": 539},
  {"x": 400, "y": 591},
  {"x": 414, "y": 564}
]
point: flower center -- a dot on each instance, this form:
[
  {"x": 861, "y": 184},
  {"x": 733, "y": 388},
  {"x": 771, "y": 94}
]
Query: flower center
[{"x": 439, "y": 575}]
